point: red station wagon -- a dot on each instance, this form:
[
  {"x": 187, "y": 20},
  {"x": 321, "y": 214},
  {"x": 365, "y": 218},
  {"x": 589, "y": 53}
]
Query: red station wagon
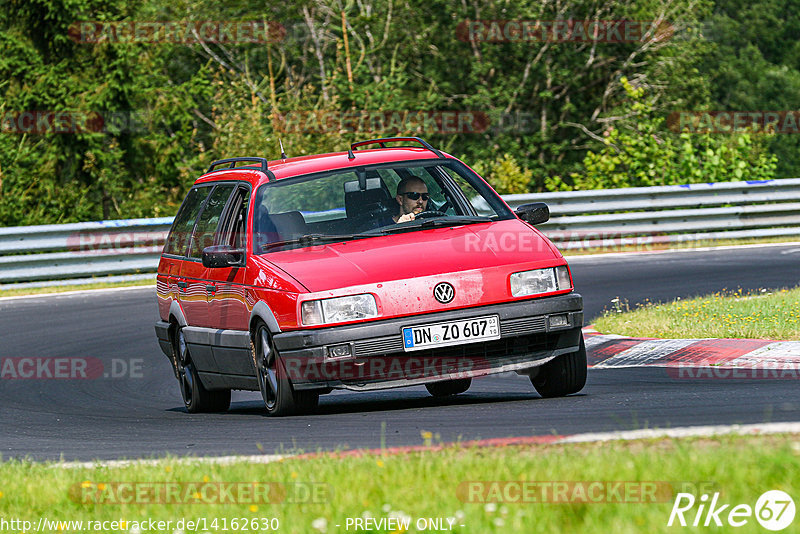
[{"x": 361, "y": 270}]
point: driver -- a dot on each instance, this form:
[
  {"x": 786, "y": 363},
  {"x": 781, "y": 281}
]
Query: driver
[{"x": 412, "y": 196}]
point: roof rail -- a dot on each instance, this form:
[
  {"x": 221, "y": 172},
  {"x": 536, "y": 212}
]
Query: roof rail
[
  {"x": 382, "y": 141},
  {"x": 262, "y": 165}
]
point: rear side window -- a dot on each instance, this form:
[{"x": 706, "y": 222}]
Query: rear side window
[
  {"x": 182, "y": 226},
  {"x": 207, "y": 222}
]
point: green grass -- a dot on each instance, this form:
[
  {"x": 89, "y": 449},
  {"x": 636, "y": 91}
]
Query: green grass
[
  {"x": 426, "y": 484},
  {"x": 17, "y": 292},
  {"x": 756, "y": 315}
]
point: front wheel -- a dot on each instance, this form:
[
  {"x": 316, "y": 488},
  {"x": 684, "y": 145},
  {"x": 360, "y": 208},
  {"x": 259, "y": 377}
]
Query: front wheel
[
  {"x": 564, "y": 375},
  {"x": 196, "y": 397},
  {"x": 279, "y": 396}
]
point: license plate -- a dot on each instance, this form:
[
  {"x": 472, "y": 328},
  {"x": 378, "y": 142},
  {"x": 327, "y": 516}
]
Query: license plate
[{"x": 451, "y": 333}]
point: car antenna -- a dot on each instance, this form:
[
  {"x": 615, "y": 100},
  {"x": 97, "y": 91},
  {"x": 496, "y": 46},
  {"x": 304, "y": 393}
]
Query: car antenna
[{"x": 283, "y": 154}]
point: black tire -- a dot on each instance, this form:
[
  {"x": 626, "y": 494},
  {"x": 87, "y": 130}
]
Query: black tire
[
  {"x": 564, "y": 375},
  {"x": 448, "y": 387},
  {"x": 279, "y": 396},
  {"x": 196, "y": 397}
]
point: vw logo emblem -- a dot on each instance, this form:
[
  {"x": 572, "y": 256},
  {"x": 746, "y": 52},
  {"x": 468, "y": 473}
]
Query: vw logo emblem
[{"x": 444, "y": 292}]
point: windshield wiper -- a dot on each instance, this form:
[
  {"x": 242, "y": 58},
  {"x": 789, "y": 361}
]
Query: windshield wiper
[
  {"x": 453, "y": 221},
  {"x": 438, "y": 222},
  {"x": 309, "y": 239}
]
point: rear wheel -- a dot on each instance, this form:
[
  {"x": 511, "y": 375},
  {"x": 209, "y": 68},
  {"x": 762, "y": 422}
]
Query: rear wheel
[
  {"x": 448, "y": 387},
  {"x": 564, "y": 375},
  {"x": 279, "y": 396},
  {"x": 196, "y": 397}
]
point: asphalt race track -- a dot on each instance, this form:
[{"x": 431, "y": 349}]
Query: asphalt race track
[{"x": 136, "y": 411}]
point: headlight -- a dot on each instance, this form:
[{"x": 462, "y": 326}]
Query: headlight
[
  {"x": 338, "y": 310},
  {"x": 540, "y": 281}
]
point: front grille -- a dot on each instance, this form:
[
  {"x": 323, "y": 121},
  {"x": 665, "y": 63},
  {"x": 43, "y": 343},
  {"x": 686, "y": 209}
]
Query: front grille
[
  {"x": 382, "y": 345},
  {"x": 526, "y": 325}
]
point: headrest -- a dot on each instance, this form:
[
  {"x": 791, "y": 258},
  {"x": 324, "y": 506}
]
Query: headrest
[{"x": 370, "y": 201}]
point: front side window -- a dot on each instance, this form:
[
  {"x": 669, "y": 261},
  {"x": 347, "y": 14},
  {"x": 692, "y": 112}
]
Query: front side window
[
  {"x": 361, "y": 202},
  {"x": 208, "y": 220}
]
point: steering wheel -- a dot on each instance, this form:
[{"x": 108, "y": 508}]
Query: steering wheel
[{"x": 429, "y": 214}]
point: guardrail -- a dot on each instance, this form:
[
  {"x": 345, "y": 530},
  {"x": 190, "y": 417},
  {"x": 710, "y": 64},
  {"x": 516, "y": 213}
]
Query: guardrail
[
  {"x": 78, "y": 250},
  {"x": 639, "y": 216},
  {"x": 608, "y": 218}
]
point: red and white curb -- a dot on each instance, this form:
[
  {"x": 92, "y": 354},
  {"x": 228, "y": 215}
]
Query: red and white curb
[{"x": 777, "y": 359}]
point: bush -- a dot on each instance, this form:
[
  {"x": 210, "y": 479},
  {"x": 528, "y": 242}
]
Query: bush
[
  {"x": 506, "y": 175},
  {"x": 641, "y": 153}
]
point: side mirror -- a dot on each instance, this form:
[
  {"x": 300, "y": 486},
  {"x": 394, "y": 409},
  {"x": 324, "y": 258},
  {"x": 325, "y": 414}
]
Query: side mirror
[
  {"x": 534, "y": 213},
  {"x": 222, "y": 256}
]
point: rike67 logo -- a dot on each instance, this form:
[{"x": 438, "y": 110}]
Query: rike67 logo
[{"x": 774, "y": 510}]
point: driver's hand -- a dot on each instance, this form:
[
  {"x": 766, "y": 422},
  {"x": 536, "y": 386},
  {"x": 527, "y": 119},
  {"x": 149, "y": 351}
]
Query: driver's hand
[{"x": 405, "y": 218}]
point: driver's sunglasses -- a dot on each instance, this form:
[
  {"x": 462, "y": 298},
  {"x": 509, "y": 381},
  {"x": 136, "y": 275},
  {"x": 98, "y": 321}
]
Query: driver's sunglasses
[{"x": 413, "y": 195}]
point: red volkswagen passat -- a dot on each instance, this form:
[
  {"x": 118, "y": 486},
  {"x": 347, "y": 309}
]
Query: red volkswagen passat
[{"x": 367, "y": 269}]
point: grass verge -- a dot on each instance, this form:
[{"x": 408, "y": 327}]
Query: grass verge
[
  {"x": 17, "y": 292},
  {"x": 320, "y": 494},
  {"x": 755, "y": 315}
]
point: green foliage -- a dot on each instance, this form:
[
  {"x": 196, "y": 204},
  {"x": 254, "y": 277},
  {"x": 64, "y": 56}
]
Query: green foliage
[
  {"x": 647, "y": 154},
  {"x": 506, "y": 175},
  {"x": 754, "y": 64},
  {"x": 558, "y": 116}
]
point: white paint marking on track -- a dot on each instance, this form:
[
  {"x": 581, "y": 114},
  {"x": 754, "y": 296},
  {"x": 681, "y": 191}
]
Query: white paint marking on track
[
  {"x": 686, "y": 432},
  {"x": 221, "y": 460},
  {"x": 648, "y": 433},
  {"x": 645, "y": 253},
  {"x": 81, "y": 292},
  {"x": 645, "y": 352}
]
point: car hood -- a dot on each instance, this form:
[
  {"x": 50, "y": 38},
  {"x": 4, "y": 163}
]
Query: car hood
[{"x": 415, "y": 254}]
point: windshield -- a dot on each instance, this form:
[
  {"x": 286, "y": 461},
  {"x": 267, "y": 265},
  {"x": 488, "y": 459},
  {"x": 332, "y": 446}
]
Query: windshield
[{"x": 369, "y": 201}]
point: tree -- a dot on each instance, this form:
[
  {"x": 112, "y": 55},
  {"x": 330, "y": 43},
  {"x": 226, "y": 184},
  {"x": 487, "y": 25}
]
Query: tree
[{"x": 647, "y": 154}]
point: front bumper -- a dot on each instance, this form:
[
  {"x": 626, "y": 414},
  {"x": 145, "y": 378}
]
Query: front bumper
[{"x": 379, "y": 361}]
